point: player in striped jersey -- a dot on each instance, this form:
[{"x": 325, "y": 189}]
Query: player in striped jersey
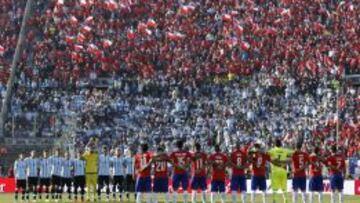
[
  {"x": 32, "y": 165},
  {"x": 79, "y": 176},
  {"x": 56, "y": 166},
  {"x": 118, "y": 164},
  {"x": 129, "y": 171},
  {"x": 45, "y": 175},
  {"x": 104, "y": 173},
  {"x": 66, "y": 176},
  {"x": 20, "y": 176}
]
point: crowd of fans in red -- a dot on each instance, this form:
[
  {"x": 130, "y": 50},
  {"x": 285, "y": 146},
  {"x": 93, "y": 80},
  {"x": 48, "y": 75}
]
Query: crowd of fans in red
[{"x": 184, "y": 40}]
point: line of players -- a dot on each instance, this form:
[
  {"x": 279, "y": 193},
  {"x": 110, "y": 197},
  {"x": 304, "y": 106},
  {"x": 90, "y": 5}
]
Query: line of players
[
  {"x": 48, "y": 175},
  {"x": 52, "y": 173},
  {"x": 240, "y": 160}
]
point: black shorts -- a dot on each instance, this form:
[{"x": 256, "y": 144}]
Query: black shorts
[
  {"x": 79, "y": 182},
  {"x": 21, "y": 184},
  {"x": 33, "y": 181},
  {"x": 45, "y": 182},
  {"x": 119, "y": 183},
  {"x": 56, "y": 180},
  {"x": 66, "y": 181},
  {"x": 103, "y": 180},
  {"x": 129, "y": 183}
]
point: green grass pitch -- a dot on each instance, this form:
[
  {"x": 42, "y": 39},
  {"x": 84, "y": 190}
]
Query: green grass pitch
[{"x": 9, "y": 198}]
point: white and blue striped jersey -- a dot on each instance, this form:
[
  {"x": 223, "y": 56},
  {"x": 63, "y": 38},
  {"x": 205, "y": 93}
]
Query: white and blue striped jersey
[
  {"x": 32, "y": 165},
  {"x": 129, "y": 165},
  {"x": 104, "y": 165},
  {"x": 79, "y": 167},
  {"x": 67, "y": 166},
  {"x": 45, "y": 167},
  {"x": 118, "y": 165},
  {"x": 56, "y": 165},
  {"x": 20, "y": 168}
]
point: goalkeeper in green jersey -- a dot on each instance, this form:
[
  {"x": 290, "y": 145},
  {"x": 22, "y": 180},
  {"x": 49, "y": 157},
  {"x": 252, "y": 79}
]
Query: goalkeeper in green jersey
[{"x": 280, "y": 157}]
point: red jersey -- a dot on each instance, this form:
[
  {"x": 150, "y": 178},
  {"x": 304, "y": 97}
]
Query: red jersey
[
  {"x": 180, "y": 158},
  {"x": 161, "y": 167},
  {"x": 238, "y": 158},
  {"x": 336, "y": 161},
  {"x": 299, "y": 160},
  {"x": 141, "y": 160},
  {"x": 259, "y": 163},
  {"x": 198, "y": 164},
  {"x": 315, "y": 166},
  {"x": 218, "y": 166}
]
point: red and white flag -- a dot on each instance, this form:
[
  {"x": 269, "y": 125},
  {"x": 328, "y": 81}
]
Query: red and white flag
[
  {"x": 85, "y": 29},
  {"x": 107, "y": 43},
  {"x": 130, "y": 34},
  {"x": 342, "y": 102},
  {"x": 73, "y": 20},
  {"x": 111, "y": 5},
  {"x": 227, "y": 18},
  {"x": 89, "y": 20},
  {"x": 239, "y": 30},
  {"x": 2, "y": 50},
  {"x": 151, "y": 23},
  {"x": 78, "y": 47},
  {"x": 80, "y": 38}
]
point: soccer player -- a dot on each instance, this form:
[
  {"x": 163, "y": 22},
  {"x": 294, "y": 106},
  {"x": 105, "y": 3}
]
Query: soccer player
[
  {"x": 300, "y": 161},
  {"x": 336, "y": 164},
  {"x": 91, "y": 158},
  {"x": 32, "y": 164},
  {"x": 259, "y": 160},
  {"x": 45, "y": 175},
  {"x": 143, "y": 170},
  {"x": 180, "y": 159},
  {"x": 66, "y": 176},
  {"x": 79, "y": 176},
  {"x": 316, "y": 178},
  {"x": 104, "y": 173},
  {"x": 20, "y": 176},
  {"x": 161, "y": 180},
  {"x": 218, "y": 162},
  {"x": 199, "y": 163},
  {"x": 130, "y": 175},
  {"x": 238, "y": 161},
  {"x": 118, "y": 165},
  {"x": 56, "y": 166},
  {"x": 280, "y": 157}
]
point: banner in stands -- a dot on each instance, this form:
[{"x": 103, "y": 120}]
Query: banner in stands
[
  {"x": 7, "y": 185},
  {"x": 350, "y": 187}
]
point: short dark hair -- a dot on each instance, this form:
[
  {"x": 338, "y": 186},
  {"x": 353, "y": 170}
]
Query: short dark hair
[
  {"x": 179, "y": 144},
  {"x": 317, "y": 150},
  {"x": 144, "y": 147},
  {"x": 298, "y": 145},
  {"x": 217, "y": 148},
  {"x": 160, "y": 149},
  {"x": 197, "y": 146},
  {"x": 278, "y": 143},
  {"x": 334, "y": 149}
]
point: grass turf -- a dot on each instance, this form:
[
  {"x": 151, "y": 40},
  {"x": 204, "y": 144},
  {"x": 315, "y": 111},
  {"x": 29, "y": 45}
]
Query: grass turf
[{"x": 8, "y": 198}]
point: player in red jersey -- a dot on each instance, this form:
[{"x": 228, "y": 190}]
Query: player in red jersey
[
  {"x": 181, "y": 161},
  {"x": 161, "y": 181},
  {"x": 218, "y": 162},
  {"x": 299, "y": 162},
  {"x": 259, "y": 160},
  {"x": 199, "y": 163},
  {"x": 143, "y": 171},
  {"x": 238, "y": 161},
  {"x": 315, "y": 173},
  {"x": 336, "y": 164}
]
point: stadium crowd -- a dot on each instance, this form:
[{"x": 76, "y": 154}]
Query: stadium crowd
[{"x": 170, "y": 60}]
